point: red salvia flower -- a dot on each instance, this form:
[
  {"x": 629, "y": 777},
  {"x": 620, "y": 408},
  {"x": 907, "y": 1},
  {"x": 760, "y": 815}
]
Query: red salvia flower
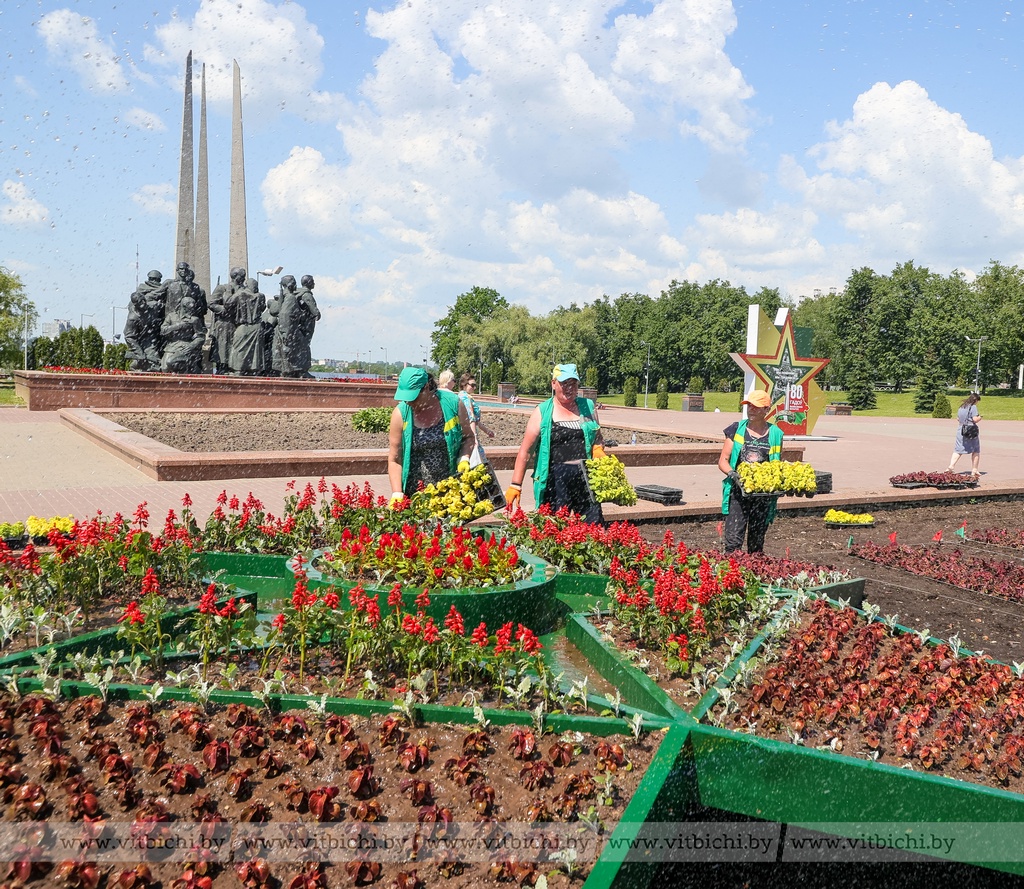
[
  {"x": 208, "y": 603},
  {"x": 479, "y": 637},
  {"x": 150, "y": 583},
  {"x": 454, "y": 622}
]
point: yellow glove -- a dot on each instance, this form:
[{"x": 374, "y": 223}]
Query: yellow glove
[
  {"x": 512, "y": 495},
  {"x": 396, "y": 501},
  {"x": 463, "y": 465},
  {"x": 598, "y": 452}
]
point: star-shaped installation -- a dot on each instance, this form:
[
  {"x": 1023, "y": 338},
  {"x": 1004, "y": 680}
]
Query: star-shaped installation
[{"x": 786, "y": 376}]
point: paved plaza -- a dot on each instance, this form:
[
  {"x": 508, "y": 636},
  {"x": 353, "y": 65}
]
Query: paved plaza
[{"x": 47, "y": 469}]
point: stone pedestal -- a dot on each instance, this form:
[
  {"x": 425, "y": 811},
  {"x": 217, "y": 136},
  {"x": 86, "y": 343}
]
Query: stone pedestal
[
  {"x": 693, "y": 402},
  {"x": 586, "y": 392},
  {"x": 505, "y": 392}
]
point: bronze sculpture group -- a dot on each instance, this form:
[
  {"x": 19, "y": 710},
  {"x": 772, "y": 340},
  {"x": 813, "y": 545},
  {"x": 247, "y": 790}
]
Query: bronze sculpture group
[{"x": 249, "y": 335}]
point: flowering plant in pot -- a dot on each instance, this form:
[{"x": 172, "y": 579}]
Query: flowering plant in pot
[{"x": 452, "y": 558}]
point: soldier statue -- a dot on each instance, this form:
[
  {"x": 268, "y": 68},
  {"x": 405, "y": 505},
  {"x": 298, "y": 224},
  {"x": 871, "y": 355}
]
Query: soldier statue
[
  {"x": 296, "y": 320},
  {"x": 222, "y": 330},
  {"x": 184, "y": 325},
  {"x": 246, "y": 306},
  {"x": 142, "y": 327}
]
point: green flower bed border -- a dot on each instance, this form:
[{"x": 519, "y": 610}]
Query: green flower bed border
[{"x": 695, "y": 763}]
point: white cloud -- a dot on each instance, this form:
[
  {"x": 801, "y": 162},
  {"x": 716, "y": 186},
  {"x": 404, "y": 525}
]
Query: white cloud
[
  {"x": 903, "y": 171},
  {"x": 277, "y": 49},
  {"x": 158, "y": 200},
  {"x": 74, "y": 41},
  {"x": 144, "y": 120},
  {"x": 676, "y": 56},
  {"x": 19, "y": 207},
  {"x": 305, "y": 197},
  {"x": 488, "y": 147},
  {"x": 25, "y": 85}
]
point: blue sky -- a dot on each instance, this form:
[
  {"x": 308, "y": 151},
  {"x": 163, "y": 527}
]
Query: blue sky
[{"x": 404, "y": 152}]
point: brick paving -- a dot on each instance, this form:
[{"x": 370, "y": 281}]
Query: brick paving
[{"x": 47, "y": 469}]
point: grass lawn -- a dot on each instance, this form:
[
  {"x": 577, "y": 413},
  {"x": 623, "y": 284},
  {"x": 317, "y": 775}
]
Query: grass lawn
[
  {"x": 994, "y": 405},
  {"x": 7, "y": 396}
]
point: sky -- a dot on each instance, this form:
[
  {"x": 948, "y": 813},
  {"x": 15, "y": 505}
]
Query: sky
[{"x": 553, "y": 150}]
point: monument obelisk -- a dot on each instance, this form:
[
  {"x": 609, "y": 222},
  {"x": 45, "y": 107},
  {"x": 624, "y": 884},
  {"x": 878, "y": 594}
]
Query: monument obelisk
[
  {"x": 238, "y": 239},
  {"x": 184, "y": 243},
  {"x": 202, "y": 232}
]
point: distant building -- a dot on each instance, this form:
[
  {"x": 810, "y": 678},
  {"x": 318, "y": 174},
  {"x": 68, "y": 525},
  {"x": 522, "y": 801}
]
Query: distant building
[{"x": 53, "y": 329}]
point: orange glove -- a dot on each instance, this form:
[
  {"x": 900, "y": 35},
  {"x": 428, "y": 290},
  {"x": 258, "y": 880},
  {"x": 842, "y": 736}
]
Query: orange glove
[
  {"x": 513, "y": 495},
  {"x": 598, "y": 452}
]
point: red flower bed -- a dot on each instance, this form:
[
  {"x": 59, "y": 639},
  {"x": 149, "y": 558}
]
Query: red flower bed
[
  {"x": 998, "y": 537},
  {"x": 990, "y": 576},
  {"x": 935, "y": 479},
  {"x": 105, "y": 371},
  {"x": 856, "y": 687}
]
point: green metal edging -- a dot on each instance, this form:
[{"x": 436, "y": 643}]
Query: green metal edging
[
  {"x": 775, "y": 781},
  {"x": 638, "y": 690},
  {"x": 530, "y": 601},
  {"x": 664, "y": 788},
  {"x": 91, "y": 643},
  {"x": 711, "y": 696},
  {"x": 602, "y": 726}
]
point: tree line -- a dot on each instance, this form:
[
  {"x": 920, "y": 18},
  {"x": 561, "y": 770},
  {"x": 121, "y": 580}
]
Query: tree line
[{"x": 910, "y": 327}]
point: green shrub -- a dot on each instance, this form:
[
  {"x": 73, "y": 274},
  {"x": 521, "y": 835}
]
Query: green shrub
[
  {"x": 372, "y": 419},
  {"x": 662, "y": 400},
  {"x": 941, "y": 410},
  {"x": 695, "y": 386},
  {"x": 629, "y": 391}
]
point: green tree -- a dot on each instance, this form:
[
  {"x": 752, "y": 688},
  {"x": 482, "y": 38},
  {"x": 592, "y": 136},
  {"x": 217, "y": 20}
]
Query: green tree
[
  {"x": 90, "y": 347},
  {"x": 447, "y": 340},
  {"x": 662, "y": 400},
  {"x": 115, "y": 356},
  {"x": 998, "y": 313},
  {"x": 859, "y": 386},
  {"x": 17, "y": 314},
  {"x": 929, "y": 384},
  {"x": 590, "y": 377},
  {"x": 941, "y": 409},
  {"x": 629, "y": 391},
  {"x": 40, "y": 353}
]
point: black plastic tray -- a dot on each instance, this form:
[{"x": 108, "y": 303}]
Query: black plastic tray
[
  {"x": 910, "y": 485},
  {"x": 659, "y": 494},
  {"x": 849, "y": 524}
]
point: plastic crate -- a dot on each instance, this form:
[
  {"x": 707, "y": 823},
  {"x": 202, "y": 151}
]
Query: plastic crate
[{"x": 823, "y": 480}]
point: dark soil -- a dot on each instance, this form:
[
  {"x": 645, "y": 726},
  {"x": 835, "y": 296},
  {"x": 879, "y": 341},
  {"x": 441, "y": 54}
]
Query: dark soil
[
  {"x": 982, "y": 622},
  {"x": 143, "y": 762},
  {"x": 196, "y": 432}
]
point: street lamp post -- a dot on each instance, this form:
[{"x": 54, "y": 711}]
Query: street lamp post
[
  {"x": 269, "y": 272},
  {"x": 81, "y": 321},
  {"x": 977, "y": 370},
  {"x": 647, "y": 372},
  {"x": 113, "y": 322},
  {"x": 384, "y": 349}
]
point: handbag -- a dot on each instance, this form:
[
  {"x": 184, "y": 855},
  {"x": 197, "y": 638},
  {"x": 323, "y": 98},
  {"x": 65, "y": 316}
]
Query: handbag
[{"x": 969, "y": 430}]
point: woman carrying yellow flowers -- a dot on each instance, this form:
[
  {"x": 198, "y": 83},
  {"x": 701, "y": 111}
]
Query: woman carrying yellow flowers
[
  {"x": 429, "y": 438},
  {"x": 561, "y": 434},
  {"x": 753, "y": 440}
]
